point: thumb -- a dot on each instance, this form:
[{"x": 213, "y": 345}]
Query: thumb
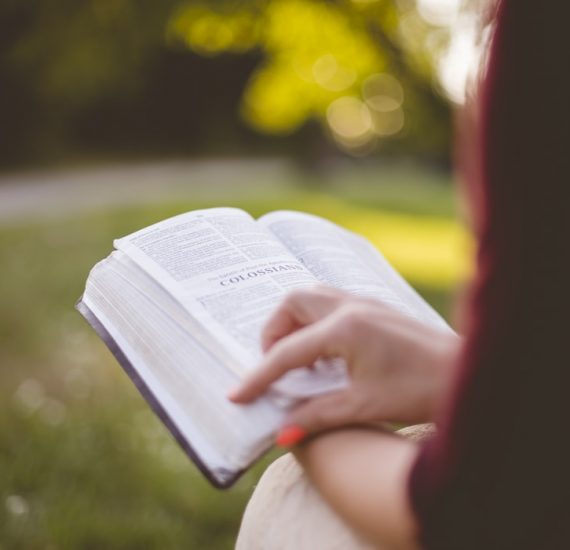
[{"x": 316, "y": 415}]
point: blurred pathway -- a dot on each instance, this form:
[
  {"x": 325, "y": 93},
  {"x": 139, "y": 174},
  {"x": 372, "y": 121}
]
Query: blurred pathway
[{"x": 33, "y": 195}]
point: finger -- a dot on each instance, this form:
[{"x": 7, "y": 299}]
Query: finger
[
  {"x": 324, "y": 413},
  {"x": 298, "y": 309},
  {"x": 299, "y": 349}
]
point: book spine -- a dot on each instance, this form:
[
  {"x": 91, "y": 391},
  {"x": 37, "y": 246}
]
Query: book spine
[{"x": 220, "y": 478}]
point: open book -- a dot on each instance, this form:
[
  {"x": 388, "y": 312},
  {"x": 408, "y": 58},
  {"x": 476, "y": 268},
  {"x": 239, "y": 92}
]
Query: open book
[{"x": 182, "y": 303}]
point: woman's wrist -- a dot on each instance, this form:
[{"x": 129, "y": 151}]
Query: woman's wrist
[{"x": 363, "y": 474}]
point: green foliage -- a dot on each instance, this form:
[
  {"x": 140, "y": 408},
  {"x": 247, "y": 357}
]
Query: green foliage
[
  {"x": 75, "y": 51},
  {"x": 319, "y": 59},
  {"x": 68, "y": 67},
  {"x": 60, "y": 58}
]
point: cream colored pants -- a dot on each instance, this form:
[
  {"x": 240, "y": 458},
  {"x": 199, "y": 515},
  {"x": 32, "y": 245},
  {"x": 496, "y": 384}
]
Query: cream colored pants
[{"x": 285, "y": 511}]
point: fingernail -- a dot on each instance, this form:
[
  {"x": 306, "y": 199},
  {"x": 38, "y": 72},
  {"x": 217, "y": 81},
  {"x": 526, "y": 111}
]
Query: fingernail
[
  {"x": 290, "y": 436},
  {"x": 233, "y": 394}
]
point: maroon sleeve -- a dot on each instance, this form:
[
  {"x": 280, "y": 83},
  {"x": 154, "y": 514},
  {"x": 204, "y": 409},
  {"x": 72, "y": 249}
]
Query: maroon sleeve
[{"x": 497, "y": 474}]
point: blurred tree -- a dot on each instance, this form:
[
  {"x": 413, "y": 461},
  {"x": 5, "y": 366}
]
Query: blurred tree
[
  {"x": 67, "y": 53},
  {"x": 144, "y": 76},
  {"x": 349, "y": 64}
]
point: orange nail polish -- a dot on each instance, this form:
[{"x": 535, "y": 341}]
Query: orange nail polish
[{"x": 290, "y": 436}]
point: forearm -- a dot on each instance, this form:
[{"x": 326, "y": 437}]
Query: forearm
[{"x": 363, "y": 475}]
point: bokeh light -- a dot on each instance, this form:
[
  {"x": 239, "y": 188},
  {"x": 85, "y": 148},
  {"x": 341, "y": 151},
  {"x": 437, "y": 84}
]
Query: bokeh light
[
  {"x": 328, "y": 74},
  {"x": 383, "y": 93},
  {"x": 350, "y": 121},
  {"x": 439, "y": 12},
  {"x": 388, "y": 123}
]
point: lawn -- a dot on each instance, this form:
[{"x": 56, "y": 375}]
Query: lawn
[{"x": 83, "y": 462}]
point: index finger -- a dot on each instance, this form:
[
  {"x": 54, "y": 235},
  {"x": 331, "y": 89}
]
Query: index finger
[
  {"x": 300, "y": 349},
  {"x": 298, "y": 309}
]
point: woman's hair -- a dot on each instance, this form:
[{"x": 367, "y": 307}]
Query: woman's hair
[{"x": 497, "y": 476}]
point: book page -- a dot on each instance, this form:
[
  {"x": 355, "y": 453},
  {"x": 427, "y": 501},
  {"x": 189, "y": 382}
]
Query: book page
[
  {"x": 225, "y": 269},
  {"x": 342, "y": 259},
  {"x": 185, "y": 376}
]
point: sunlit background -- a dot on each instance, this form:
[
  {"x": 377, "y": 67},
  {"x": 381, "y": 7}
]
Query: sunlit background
[{"x": 115, "y": 114}]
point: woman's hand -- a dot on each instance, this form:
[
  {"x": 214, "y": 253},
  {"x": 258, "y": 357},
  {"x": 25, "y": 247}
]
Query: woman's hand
[{"x": 399, "y": 367}]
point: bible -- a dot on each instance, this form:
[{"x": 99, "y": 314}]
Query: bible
[{"x": 181, "y": 304}]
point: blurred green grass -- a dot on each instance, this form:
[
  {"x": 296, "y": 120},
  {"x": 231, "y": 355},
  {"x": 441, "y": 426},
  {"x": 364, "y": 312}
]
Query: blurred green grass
[{"x": 83, "y": 462}]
